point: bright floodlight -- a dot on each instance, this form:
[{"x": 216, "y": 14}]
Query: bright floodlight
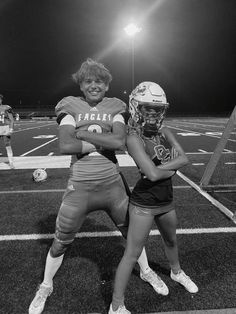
[{"x": 132, "y": 29}]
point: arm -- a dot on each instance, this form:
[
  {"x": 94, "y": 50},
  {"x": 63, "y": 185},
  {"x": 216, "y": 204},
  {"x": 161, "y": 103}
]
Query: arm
[
  {"x": 68, "y": 143},
  {"x": 180, "y": 159},
  {"x": 143, "y": 161},
  {"x": 112, "y": 141}
]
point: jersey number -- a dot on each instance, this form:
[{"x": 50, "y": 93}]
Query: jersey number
[{"x": 95, "y": 128}]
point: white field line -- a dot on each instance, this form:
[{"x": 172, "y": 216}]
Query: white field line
[
  {"x": 32, "y": 128},
  {"x": 24, "y": 237},
  {"x": 63, "y": 190},
  {"x": 205, "y": 126},
  {"x": 209, "y": 135},
  {"x": 36, "y": 148}
]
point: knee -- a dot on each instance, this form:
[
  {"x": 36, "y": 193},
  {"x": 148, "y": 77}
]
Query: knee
[{"x": 133, "y": 254}]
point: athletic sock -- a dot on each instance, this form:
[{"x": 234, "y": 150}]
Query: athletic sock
[
  {"x": 51, "y": 267},
  {"x": 116, "y": 302},
  {"x": 143, "y": 262},
  {"x": 9, "y": 153}
]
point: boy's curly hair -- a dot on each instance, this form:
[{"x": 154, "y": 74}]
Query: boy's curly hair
[{"x": 92, "y": 68}]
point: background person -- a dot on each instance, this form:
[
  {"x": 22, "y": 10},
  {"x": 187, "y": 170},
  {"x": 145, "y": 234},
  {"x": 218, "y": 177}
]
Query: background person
[{"x": 6, "y": 128}]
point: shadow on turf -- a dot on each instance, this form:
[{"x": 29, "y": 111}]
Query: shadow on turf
[{"x": 96, "y": 250}]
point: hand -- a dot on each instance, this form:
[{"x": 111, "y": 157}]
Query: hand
[{"x": 79, "y": 134}]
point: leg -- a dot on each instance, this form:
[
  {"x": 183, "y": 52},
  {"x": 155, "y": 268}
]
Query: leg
[
  {"x": 7, "y": 141},
  {"x": 119, "y": 214},
  {"x": 139, "y": 228},
  {"x": 69, "y": 220},
  {"x": 167, "y": 225}
]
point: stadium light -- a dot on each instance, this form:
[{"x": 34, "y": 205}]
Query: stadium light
[{"x": 131, "y": 30}]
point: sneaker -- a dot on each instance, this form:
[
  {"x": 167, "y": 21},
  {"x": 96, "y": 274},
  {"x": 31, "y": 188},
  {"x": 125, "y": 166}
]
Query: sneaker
[
  {"x": 121, "y": 310},
  {"x": 155, "y": 281},
  {"x": 37, "y": 305},
  {"x": 184, "y": 280}
]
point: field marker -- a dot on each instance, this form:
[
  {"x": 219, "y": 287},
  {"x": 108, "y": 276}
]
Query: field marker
[
  {"x": 198, "y": 164},
  {"x": 105, "y": 234},
  {"x": 32, "y": 150}
]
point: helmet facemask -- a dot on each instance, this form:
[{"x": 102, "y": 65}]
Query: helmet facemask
[
  {"x": 152, "y": 118},
  {"x": 147, "y": 107}
]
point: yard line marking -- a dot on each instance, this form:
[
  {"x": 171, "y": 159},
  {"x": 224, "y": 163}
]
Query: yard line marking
[
  {"x": 105, "y": 234},
  {"x": 216, "y": 203},
  {"x": 198, "y": 164},
  {"x": 63, "y": 161},
  {"x": 131, "y": 188},
  {"x": 198, "y": 133},
  {"x": 202, "y": 150},
  {"x": 63, "y": 190},
  {"x": 35, "y": 127},
  {"x": 32, "y": 150},
  {"x": 231, "y": 163},
  {"x": 208, "y": 153}
]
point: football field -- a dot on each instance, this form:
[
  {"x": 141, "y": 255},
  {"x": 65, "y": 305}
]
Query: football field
[{"x": 206, "y": 229}]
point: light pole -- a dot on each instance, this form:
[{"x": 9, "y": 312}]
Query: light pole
[{"x": 131, "y": 30}]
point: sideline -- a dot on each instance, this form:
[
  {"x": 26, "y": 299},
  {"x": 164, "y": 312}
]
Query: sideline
[
  {"x": 214, "y": 311},
  {"x": 26, "y": 237}
]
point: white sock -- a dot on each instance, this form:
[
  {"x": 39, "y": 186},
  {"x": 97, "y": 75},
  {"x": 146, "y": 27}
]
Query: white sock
[
  {"x": 143, "y": 262},
  {"x": 9, "y": 153},
  {"x": 51, "y": 267}
]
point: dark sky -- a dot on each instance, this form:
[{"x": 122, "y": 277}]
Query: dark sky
[{"x": 187, "y": 46}]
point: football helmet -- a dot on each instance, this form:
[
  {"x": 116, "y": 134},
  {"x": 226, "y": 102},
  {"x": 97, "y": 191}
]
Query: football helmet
[
  {"x": 39, "y": 175},
  {"x": 147, "y": 108}
]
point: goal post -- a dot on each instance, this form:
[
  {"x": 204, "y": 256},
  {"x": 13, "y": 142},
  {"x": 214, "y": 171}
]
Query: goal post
[{"x": 218, "y": 151}]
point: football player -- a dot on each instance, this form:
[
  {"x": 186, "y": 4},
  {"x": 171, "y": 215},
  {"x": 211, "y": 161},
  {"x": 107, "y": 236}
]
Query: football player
[
  {"x": 158, "y": 155},
  {"x": 91, "y": 129},
  {"x": 6, "y": 129}
]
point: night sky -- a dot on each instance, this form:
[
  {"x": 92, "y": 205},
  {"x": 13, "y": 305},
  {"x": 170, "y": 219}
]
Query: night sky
[{"x": 186, "y": 46}]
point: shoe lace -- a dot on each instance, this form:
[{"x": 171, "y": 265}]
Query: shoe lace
[
  {"x": 185, "y": 278},
  {"x": 122, "y": 310},
  {"x": 154, "y": 278},
  {"x": 43, "y": 292}
]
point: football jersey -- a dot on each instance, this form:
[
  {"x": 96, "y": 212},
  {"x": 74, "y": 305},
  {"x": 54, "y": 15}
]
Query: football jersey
[
  {"x": 159, "y": 193},
  {"x": 96, "y": 165},
  {"x": 4, "y": 117}
]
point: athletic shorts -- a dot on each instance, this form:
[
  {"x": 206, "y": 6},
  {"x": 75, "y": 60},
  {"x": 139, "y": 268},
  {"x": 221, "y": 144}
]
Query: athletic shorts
[
  {"x": 4, "y": 130},
  {"x": 144, "y": 211},
  {"x": 81, "y": 198}
]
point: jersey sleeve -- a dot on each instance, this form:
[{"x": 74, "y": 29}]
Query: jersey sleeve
[
  {"x": 63, "y": 108},
  {"x": 119, "y": 118},
  {"x": 67, "y": 120}
]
